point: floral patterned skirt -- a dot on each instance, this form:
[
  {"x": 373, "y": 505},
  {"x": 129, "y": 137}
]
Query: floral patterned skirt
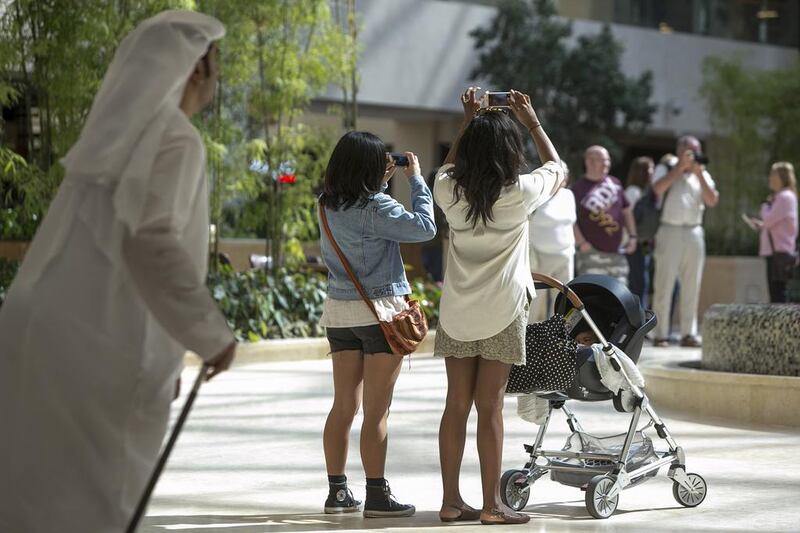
[{"x": 508, "y": 346}]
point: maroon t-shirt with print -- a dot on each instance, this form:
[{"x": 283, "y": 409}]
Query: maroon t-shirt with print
[{"x": 600, "y": 205}]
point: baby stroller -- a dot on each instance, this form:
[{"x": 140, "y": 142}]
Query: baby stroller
[{"x": 602, "y": 466}]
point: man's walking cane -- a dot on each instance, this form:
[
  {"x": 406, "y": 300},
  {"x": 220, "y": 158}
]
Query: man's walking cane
[{"x": 162, "y": 460}]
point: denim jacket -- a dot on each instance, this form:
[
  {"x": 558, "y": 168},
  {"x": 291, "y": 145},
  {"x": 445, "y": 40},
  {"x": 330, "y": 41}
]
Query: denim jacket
[{"x": 370, "y": 238}]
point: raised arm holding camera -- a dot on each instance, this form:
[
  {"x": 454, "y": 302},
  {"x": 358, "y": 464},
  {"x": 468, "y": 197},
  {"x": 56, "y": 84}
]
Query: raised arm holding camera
[
  {"x": 487, "y": 199},
  {"x": 685, "y": 190},
  {"x": 692, "y": 162}
]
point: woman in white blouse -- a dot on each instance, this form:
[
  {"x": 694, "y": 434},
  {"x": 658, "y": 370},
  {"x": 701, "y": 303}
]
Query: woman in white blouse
[{"x": 487, "y": 285}]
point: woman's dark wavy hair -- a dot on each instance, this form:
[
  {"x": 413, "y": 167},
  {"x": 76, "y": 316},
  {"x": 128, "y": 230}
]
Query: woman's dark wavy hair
[
  {"x": 489, "y": 157},
  {"x": 355, "y": 170}
]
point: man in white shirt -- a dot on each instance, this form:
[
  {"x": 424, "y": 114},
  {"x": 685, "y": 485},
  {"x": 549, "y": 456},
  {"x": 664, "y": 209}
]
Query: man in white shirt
[{"x": 686, "y": 190}]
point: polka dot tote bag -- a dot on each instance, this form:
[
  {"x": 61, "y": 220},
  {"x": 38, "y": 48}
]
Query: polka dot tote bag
[{"x": 549, "y": 359}]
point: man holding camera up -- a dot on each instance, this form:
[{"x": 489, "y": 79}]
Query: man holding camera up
[{"x": 680, "y": 249}]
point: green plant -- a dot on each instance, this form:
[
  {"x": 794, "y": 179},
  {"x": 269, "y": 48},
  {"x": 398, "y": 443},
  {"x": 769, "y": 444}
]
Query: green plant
[
  {"x": 276, "y": 55},
  {"x": 428, "y": 294},
  {"x": 15, "y": 226},
  {"x": 756, "y": 119},
  {"x": 53, "y": 55},
  {"x": 580, "y": 91},
  {"x": 266, "y": 305},
  {"x": 248, "y": 216},
  {"x": 25, "y": 192},
  {"x": 8, "y": 269}
]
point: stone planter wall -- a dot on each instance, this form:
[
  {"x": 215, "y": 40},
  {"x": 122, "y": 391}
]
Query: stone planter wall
[{"x": 752, "y": 339}]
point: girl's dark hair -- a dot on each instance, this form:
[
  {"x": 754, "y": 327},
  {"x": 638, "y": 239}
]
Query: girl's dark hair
[
  {"x": 639, "y": 172},
  {"x": 489, "y": 157},
  {"x": 355, "y": 170}
]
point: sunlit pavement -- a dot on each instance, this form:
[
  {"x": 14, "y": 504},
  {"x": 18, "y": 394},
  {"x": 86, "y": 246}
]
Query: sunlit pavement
[{"x": 250, "y": 460}]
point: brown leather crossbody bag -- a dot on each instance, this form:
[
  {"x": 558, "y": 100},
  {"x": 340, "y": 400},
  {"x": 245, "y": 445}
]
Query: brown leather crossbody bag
[{"x": 407, "y": 328}]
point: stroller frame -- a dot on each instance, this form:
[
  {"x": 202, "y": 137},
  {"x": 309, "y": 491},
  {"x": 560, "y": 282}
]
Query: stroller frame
[{"x": 602, "y": 491}]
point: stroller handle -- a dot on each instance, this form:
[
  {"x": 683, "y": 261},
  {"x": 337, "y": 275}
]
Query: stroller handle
[{"x": 555, "y": 284}]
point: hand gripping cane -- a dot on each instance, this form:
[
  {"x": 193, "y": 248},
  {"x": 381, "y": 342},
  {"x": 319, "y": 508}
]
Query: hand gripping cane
[{"x": 162, "y": 460}]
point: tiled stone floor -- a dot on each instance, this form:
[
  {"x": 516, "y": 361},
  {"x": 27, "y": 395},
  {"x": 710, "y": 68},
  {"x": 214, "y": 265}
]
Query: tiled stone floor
[{"x": 250, "y": 461}]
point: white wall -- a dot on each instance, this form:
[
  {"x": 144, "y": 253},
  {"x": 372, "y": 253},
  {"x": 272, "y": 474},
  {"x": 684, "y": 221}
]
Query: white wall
[
  {"x": 676, "y": 60},
  {"x": 417, "y": 56},
  {"x": 420, "y": 135}
]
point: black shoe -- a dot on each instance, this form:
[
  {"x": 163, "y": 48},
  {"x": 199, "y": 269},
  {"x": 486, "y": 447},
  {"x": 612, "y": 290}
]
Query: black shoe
[
  {"x": 341, "y": 501},
  {"x": 381, "y": 504}
]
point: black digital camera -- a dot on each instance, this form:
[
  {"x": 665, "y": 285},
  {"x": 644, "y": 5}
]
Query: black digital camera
[
  {"x": 701, "y": 158},
  {"x": 399, "y": 160}
]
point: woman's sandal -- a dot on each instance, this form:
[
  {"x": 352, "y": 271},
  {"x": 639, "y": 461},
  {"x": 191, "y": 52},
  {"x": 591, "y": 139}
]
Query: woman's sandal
[
  {"x": 500, "y": 517},
  {"x": 465, "y": 514}
]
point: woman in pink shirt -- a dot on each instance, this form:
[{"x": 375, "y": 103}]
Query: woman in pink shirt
[{"x": 778, "y": 223}]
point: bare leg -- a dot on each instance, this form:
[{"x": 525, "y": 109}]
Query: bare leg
[
  {"x": 380, "y": 374},
  {"x": 461, "y": 375},
  {"x": 489, "y": 390},
  {"x": 347, "y": 379}
]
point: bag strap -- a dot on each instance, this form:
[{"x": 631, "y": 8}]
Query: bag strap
[{"x": 345, "y": 263}]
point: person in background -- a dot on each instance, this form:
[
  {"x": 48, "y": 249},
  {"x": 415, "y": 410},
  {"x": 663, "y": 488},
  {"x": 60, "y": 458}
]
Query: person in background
[
  {"x": 602, "y": 214},
  {"x": 432, "y": 252},
  {"x": 680, "y": 249},
  {"x": 112, "y": 292},
  {"x": 487, "y": 286},
  {"x": 552, "y": 246},
  {"x": 640, "y": 176},
  {"x": 778, "y": 224},
  {"x": 666, "y": 162},
  {"x": 368, "y": 225}
]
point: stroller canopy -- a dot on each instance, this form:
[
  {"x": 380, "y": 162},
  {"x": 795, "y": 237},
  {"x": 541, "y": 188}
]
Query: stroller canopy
[{"x": 614, "y": 309}]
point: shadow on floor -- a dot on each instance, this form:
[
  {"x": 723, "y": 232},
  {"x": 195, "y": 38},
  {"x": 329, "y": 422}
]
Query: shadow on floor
[
  {"x": 576, "y": 511},
  {"x": 310, "y": 522},
  {"x": 291, "y": 522}
]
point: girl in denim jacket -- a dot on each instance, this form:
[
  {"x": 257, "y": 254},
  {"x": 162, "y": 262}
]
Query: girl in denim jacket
[{"x": 368, "y": 226}]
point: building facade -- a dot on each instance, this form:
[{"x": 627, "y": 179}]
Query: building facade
[{"x": 417, "y": 56}]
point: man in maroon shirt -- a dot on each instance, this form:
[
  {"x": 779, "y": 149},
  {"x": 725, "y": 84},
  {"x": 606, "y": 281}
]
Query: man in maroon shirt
[{"x": 602, "y": 212}]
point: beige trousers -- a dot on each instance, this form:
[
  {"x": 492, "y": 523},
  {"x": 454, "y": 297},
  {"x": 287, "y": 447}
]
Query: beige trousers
[{"x": 680, "y": 253}]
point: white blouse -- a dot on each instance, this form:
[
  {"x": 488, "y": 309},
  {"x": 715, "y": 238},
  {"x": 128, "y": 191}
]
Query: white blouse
[
  {"x": 551, "y": 225},
  {"x": 488, "y": 279},
  {"x": 356, "y": 313}
]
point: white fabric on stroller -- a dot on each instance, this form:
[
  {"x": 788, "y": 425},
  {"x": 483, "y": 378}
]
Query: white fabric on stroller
[
  {"x": 612, "y": 379},
  {"x": 533, "y": 409}
]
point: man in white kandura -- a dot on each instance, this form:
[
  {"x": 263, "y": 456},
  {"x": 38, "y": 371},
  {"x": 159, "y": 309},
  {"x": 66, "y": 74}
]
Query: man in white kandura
[{"x": 112, "y": 292}]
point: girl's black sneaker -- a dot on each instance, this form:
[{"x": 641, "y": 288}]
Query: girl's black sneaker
[
  {"x": 341, "y": 500},
  {"x": 381, "y": 504}
]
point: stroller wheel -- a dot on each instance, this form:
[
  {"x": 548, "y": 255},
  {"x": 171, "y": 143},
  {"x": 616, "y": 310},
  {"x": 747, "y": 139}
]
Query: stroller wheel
[
  {"x": 693, "y": 497},
  {"x": 598, "y": 503},
  {"x": 514, "y": 489},
  {"x": 624, "y": 402}
]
